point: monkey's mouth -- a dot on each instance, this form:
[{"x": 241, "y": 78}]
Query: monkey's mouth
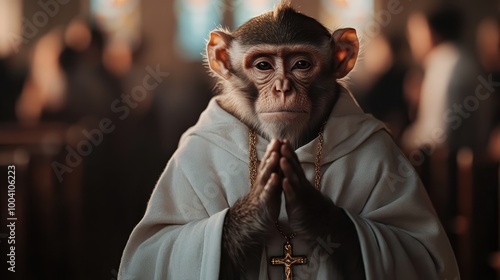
[
  {"x": 292, "y": 111},
  {"x": 278, "y": 111},
  {"x": 284, "y": 115}
]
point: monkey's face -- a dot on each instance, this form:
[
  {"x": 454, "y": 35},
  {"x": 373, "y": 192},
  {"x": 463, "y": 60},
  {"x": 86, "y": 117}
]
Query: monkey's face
[
  {"x": 278, "y": 72},
  {"x": 283, "y": 77}
]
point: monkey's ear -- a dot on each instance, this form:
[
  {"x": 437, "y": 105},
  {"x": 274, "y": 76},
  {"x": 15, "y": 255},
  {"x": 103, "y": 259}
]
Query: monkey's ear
[
  {"x": 218, "y": 53},
  {"x": 345, "y": 49}
]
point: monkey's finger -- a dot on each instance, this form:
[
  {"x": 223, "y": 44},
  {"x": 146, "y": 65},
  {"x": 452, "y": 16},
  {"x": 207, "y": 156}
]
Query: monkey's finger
[
  {"x": 286, "y": 144},
  {"x": 274, "y": 146},
  {"x": 290, "y": 173},
  {"x": 291, "y": 156},
  {"x": 272, "y": 188},
  {"x": 271, "y": 196},
  {"x": 290, "y": 193},
  {"x": 269, "y": 166}
]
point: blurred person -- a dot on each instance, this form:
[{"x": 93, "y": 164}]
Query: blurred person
[
  {"x": 44, "y": 87},
  {"x": 434, "y": 42},
  {"x": 90, "y": 86},
  {"x": 70, "y": 77}
]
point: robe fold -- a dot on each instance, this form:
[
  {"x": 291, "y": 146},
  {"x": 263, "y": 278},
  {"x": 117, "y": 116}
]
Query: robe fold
[{"x": 362, "y": 171}]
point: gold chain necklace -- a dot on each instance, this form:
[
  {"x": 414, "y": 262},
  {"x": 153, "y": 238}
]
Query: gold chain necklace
[{"x": 288, "y": 259}]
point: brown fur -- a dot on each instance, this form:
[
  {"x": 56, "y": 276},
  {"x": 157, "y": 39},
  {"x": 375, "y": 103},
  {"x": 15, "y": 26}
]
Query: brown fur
[{"x": 243, "y": 233}]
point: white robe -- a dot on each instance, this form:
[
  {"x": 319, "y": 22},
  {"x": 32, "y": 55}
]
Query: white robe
[{"x": 362, "y": 171}]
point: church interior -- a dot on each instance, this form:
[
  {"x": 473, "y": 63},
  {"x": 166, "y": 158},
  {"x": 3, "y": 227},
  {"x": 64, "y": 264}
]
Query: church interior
[{"x": 95, "y": 94}]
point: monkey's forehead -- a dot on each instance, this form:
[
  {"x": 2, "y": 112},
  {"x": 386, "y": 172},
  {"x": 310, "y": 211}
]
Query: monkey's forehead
[
  {"x": 284, "y": 27},
  {"x": 280, "y": 50}
]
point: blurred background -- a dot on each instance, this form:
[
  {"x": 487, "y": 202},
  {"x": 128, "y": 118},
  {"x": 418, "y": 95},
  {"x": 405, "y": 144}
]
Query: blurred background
[{"x": 94, "y": 95}]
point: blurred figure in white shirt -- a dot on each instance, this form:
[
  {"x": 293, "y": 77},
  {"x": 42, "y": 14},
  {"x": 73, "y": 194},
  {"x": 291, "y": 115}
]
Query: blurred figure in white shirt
[{"x": 434, "y": 42}]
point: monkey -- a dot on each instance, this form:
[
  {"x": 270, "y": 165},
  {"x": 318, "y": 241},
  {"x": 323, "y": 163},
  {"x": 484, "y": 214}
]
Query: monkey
[
  {"x": 278, "y": 73},
  {"x": 279, "y": 81}
]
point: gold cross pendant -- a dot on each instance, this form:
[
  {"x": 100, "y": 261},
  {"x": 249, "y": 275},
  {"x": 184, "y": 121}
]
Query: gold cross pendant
[{"x": 288, "y": 260}]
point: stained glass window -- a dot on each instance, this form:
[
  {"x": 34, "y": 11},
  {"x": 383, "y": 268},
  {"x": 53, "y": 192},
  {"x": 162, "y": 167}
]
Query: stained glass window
[
  {"x": 245, "y": 10},
  {"x": 196, "y": 18},
  {"x": 120, "y": 19}
]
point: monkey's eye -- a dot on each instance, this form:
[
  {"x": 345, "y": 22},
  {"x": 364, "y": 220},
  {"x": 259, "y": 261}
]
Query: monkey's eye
[
  {"x": 302, "y": 64},
  {"x": 264, "y": 65}
]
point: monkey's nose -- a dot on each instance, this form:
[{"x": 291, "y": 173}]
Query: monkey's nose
[{"x": 282, "y": 86}]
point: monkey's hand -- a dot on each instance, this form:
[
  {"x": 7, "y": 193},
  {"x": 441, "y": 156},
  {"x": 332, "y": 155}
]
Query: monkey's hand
[
  {"x": 254, "y": 214},
  {"x": 313, "y": 215},
  {"x": 310, "y": 213}
]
